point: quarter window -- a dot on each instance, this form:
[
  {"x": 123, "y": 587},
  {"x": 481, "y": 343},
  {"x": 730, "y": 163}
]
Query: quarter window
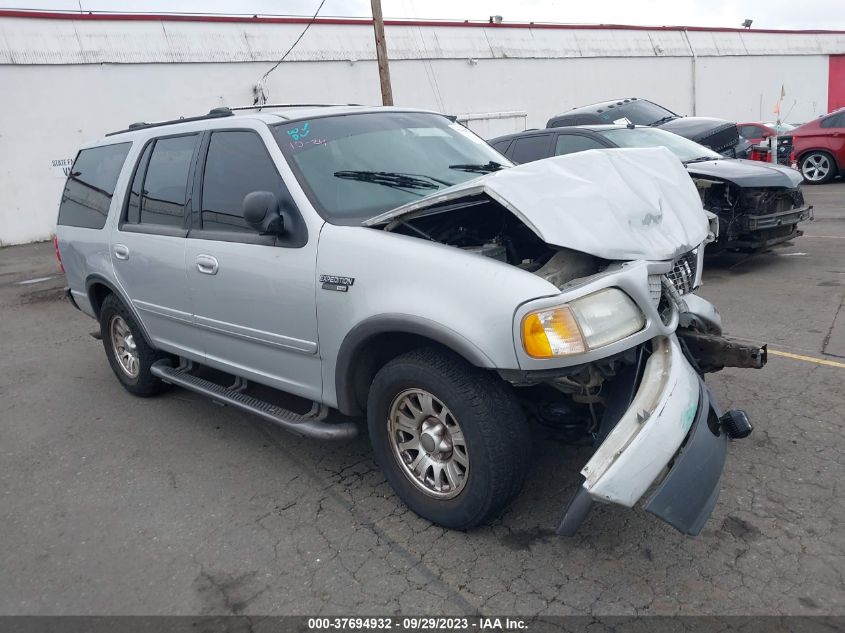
[
  {"x": 237, "y": 164},
  {"x": 90, "y": 186}
]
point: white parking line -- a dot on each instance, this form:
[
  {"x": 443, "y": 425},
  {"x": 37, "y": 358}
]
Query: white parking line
[{"x": 37, "y": 280}]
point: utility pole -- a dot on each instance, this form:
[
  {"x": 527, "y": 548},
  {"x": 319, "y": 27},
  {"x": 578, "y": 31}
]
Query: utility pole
[{"x": 381, "y": 54}]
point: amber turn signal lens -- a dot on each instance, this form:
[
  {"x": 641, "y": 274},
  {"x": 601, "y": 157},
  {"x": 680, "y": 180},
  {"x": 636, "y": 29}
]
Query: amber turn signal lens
[{"x": 550, "y": 333}]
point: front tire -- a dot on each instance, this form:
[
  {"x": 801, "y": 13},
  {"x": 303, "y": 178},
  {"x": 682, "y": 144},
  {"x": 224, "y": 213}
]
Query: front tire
[
  {"x": 451, "y": 439},
  {"x": 129, "y": 354},
  {"x": 817, "y": 168}
]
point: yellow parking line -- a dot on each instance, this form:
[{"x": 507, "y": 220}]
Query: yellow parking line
[{"x": 809, "y": 359}]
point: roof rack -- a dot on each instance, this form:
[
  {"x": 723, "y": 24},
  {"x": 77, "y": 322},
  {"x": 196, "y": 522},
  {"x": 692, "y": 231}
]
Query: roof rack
[
  {"x": 290, "y": 105},
  {"x": 215, "y": 113}
]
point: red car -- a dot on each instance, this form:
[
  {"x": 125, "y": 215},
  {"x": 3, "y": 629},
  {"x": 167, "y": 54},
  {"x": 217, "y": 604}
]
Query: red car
[
  {"x": 758, "y": 132},
  {"x": 819, "y": 147}
]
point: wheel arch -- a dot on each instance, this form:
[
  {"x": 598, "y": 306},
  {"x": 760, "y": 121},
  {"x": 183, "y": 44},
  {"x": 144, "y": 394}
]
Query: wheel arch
[
  {"x": 377, "y": 340},
  {"x": 97, "y": 287},
  {"x": 823, "y": 150}
]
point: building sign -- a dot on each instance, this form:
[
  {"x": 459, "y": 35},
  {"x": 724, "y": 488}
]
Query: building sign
[{"x": 61, "y": 167}]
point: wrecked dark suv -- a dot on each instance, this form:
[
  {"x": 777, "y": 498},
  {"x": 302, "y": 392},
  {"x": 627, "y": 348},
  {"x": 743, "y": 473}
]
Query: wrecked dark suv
[
  {"x": 758, "y": 204},
  {"x": 718, "y": 134},
  {"x": 319, "y": 265}
]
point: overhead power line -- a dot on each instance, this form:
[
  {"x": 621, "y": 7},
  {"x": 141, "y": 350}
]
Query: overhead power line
[{"x": 292, "y": 46}]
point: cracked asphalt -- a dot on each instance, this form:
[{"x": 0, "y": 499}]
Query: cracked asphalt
[{"x": 174, "y": 505}]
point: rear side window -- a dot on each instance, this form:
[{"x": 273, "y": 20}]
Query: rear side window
[
  {"x": 90, "y": 186},
  {"x": 530, "y": 148},
  {"x": 165, "y": 191},
  {"x": 837, "y": 120},
  {"x": 751, "y": 131},
  {"x": 571, "y": 143},
  {"x": 237, "y": 164}
]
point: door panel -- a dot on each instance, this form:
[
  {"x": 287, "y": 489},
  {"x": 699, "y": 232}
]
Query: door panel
[
  {"x": 253, "y": 297},
  {"x": 148, "y": 249},
  {"x": 257, "y": 313}
]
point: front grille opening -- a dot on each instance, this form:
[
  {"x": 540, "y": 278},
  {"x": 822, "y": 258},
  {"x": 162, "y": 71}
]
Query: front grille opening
[{"x": 682, "y": 275}]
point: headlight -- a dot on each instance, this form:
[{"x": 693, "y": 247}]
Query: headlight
[{"x": 590, "y": 322}]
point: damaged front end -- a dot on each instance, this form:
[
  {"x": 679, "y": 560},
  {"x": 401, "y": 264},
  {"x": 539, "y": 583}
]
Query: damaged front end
[
  {"x": 655, "y": 424},
  {"x": 753, "y": 218},
  {"x": 613, "y": 355}
]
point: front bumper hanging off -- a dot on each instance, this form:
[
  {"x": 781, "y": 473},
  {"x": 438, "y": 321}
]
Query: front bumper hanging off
[{"x": 671, "y": 427}]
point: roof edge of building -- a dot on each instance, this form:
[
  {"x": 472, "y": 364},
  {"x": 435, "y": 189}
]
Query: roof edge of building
[{"x": 278, "y": 19}]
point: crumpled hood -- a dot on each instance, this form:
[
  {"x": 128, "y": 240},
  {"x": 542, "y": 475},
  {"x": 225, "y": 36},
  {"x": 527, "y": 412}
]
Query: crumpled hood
[
  {"x": 747, "y": 173},
  {"x": 620, "y": 204}
]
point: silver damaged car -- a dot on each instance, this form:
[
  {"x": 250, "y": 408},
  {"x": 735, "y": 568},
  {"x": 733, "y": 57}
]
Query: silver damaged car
[{"x": 318, "y": 265}]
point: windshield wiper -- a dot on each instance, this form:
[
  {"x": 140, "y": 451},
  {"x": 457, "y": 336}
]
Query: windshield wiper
[
  {"x": 701, "y": 159},
  {"x": 480, "y": 168},
  {"x": 665, "y": 119},
  {"x": 394, "y": 179}
]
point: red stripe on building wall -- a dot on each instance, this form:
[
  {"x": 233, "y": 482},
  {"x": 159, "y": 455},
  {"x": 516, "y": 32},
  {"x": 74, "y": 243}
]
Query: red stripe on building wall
[{"x": 836, "y": 83}]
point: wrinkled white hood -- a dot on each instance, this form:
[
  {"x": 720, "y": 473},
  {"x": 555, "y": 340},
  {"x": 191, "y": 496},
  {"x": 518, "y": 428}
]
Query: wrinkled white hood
[{"x": 612, "y": 203}]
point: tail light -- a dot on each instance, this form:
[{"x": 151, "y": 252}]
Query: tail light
[
  {"x": 58, "y": 254},
  {"x": 793, "y": 160}
]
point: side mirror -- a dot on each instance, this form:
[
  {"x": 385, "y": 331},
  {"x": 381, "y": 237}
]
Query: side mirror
[{"x": 261, "y": 212}]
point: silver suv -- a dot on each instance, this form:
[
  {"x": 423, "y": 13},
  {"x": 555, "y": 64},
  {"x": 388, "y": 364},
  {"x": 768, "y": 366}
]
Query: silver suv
[{"x": 312, "y": 264}]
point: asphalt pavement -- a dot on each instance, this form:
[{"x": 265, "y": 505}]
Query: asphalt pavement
[{"x": 173, "y": 505}]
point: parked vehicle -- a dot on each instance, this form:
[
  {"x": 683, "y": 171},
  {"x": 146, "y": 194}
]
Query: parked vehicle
[
  {"x": 757, "y": 132},
  {"x": 719, "y": 135},
  {"x": 758, "y": 205},
  {"x": 387, "y": 261},
  {"x": 819, "y": 147}
]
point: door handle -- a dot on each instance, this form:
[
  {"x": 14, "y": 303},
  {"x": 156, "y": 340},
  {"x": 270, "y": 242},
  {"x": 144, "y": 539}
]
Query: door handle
[
  {"x": 121, "y": 251},
  {"x": 207, "y": 264}
]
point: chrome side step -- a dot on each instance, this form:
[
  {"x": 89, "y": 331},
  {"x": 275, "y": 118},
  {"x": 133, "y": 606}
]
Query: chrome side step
[{"x": 310, "y": 424}]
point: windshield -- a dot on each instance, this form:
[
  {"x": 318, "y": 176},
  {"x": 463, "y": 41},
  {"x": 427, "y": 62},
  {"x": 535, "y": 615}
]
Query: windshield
[
  {"x": 681, "y": 147},
  {"x": 637, "y": 112},
  {"x": 356, "y": 166}
]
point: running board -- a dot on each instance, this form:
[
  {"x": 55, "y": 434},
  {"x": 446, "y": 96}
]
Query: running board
[{"x": 307, "y": 425}]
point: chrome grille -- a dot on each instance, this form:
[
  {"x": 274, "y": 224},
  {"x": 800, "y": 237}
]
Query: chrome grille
[
  {"x": 655, "y": 289},
  {"x": 682, "y": 275}
]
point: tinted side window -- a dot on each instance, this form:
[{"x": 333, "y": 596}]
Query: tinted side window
[
  {"x": 133, "y": 205},
  {"x": 90, "y": 186},
  {"x": 571, "y": 143},
  {"x": 564, "y": 121},
  {"x": 501, "y": 146},
  {"x": 165, "y": 191},
  {"x": 837, "y": 120},
  {"x": 530, "y": 148},
  {"x": 237, "y": 164}
]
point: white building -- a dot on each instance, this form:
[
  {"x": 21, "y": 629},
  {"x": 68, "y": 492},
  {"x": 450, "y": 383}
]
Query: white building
[{"x": 68, "y": 78}]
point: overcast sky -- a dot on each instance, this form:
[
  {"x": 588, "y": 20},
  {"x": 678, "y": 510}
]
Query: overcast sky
[{"x": 777, "y": 14}]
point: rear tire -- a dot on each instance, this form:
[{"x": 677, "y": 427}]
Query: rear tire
[
  {"x": 817, "y": 167},
  {"x": 129, "y": 354},
  {"x": 451, "y": 439}
]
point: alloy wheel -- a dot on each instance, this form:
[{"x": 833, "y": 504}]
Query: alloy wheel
[
  {"x": 428, "y": 443},
  {"x": 815, "y": 167},
  {"x": 123, "y": 344}
]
